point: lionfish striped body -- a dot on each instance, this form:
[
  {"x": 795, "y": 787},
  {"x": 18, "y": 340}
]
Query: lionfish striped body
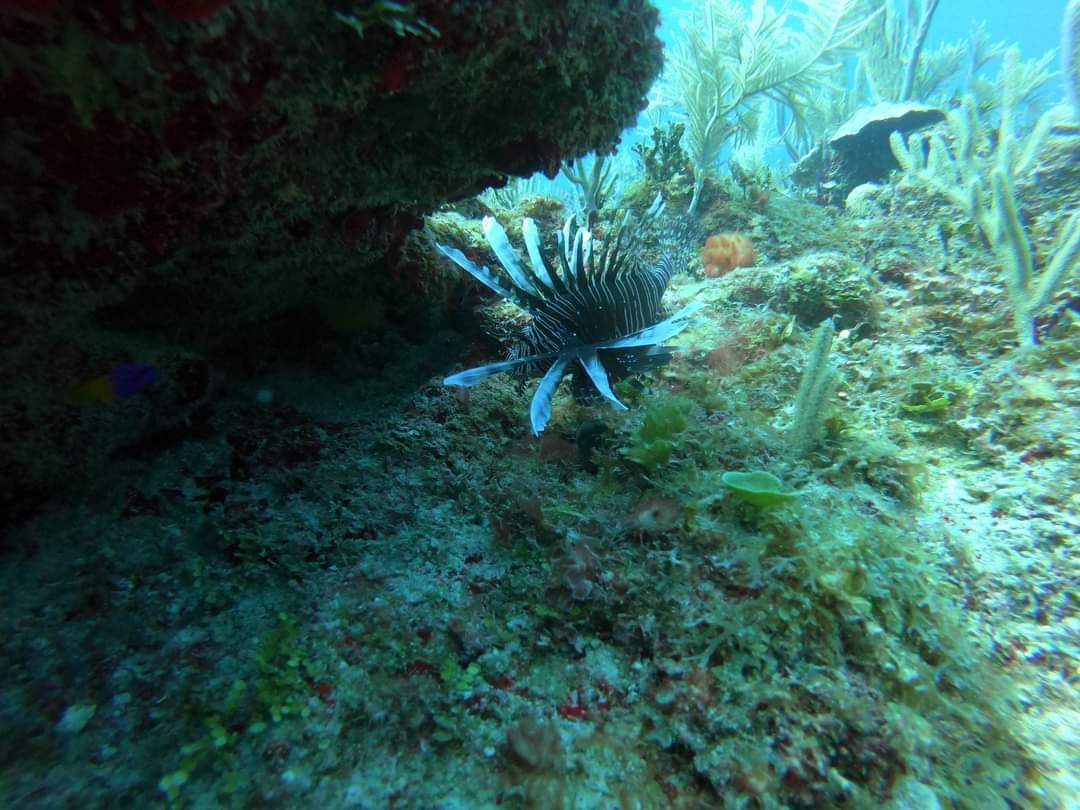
[{"x": 597, "y": 315}]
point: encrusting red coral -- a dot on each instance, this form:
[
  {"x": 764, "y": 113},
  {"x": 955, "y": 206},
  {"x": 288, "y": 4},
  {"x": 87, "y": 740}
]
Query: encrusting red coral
[{"x": 726, "y": 251}]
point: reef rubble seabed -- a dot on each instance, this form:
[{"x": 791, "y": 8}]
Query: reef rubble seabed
[{"x": 338, "y": 599}]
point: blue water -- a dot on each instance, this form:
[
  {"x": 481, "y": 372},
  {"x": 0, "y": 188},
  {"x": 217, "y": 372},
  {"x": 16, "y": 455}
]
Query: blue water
[{"x": 1033, "y": 25}]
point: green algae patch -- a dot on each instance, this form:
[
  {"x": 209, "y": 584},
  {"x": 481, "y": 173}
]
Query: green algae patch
[
  {"x": 925, "y": 398},
  {"x": 759, "y": 488},
  {"x": 660, "y": 432}
]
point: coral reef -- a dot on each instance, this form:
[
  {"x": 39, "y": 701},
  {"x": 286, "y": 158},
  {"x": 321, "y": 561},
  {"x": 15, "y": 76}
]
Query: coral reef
[
  {"x": 806, "y": 566},
  {"x": 348, "y": 598},
  {"x": 978, "y": 172}
]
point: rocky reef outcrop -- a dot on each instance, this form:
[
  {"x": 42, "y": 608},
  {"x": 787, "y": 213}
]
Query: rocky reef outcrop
[{"x": 179, "y": 178}]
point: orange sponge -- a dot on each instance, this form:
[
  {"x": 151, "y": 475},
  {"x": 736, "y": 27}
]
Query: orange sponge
[{"x": 726, "y": 251}]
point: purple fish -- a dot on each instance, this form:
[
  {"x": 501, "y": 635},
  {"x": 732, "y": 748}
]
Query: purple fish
[{"x": 128, "y": 379}]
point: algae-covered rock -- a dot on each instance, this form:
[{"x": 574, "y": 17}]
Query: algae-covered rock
[
  {"x": 812, "y": 287},
  {"x": 860, "y": 146},
  {"x": 656, "y": 440},
  {"x": 829, "y": 284},
  {"x": 864, "y": 200}
]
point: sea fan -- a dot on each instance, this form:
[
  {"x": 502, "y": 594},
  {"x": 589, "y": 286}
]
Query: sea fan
[{"x": 597, "y": 315}]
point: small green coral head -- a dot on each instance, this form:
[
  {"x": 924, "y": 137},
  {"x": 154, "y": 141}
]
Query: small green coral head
[
  {"x": 759, "y": 487},
  {"x": 651, "y": 455},
  {"x": 927, "y": 398},
  {"x": 666, "y": 419},
  {"x": 657, "y": 437}
]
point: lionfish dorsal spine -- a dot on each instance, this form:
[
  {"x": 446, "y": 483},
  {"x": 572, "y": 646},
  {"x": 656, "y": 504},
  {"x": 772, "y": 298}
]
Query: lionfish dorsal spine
[
  {"x": 500, "y": 244},
  {"x": 543, "y": 274},
  {"x": 561, "y": 254},
  {"x": 580, "y": 254},
  {"x": 576, "y": 276},
  {"x": 481, "y": 274}
]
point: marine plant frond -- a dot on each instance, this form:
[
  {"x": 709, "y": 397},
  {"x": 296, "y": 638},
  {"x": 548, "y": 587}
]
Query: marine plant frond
[
  {"x": 729, "y": 59},
  {"x": 827, "y": 28},
  {"x": 595, "y": 178},
  {"x": 1026, "y": 79}
]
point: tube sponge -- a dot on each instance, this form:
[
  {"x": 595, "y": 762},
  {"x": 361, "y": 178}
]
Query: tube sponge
[{"x": 813, "y": 392}]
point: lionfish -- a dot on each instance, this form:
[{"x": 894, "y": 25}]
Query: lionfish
[{"x": 596, "y": 315}]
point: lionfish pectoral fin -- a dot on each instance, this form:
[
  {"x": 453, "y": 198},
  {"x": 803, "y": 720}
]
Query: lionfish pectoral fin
[
  {"x": 474, "y": 376},
  {"x": 658, "y": 332},
  {"x": 590, "y": 361},
  {"x": 540, "y": 408}
]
